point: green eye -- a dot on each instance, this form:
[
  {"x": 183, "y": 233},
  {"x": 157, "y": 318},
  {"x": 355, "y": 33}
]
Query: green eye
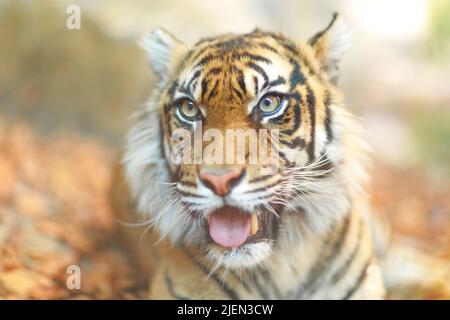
[
  {"x": 269, "y": 103},
  {"x": 188, "y": 110}
]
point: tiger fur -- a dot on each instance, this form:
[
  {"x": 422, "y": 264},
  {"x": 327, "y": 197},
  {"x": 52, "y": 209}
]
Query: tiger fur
[{"x": 313, "y": 241}]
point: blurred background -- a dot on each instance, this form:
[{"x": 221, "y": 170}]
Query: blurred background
[{"x": 66, "y": 97}]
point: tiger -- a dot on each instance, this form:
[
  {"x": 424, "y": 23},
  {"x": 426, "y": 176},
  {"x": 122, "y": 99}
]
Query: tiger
[{"x": 300, "y": 230}]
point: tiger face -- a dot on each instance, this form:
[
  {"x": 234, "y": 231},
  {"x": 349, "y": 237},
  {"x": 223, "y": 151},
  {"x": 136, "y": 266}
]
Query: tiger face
[{"x": 239, "y": 212}]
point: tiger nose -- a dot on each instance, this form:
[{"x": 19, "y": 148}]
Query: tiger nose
[{"x": 221, "y": 184}]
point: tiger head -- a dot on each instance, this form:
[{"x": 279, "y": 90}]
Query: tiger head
[{"x": 239, "y": 213}]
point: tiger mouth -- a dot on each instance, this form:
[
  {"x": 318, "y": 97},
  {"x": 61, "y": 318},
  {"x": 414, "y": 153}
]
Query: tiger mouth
[{"x": 230, "y": 227}]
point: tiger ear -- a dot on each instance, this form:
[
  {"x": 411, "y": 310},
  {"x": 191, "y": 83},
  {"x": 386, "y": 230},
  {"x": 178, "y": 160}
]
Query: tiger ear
[
  {"x": 164, "y": 52},
  {"x": 330, "y": 44}
]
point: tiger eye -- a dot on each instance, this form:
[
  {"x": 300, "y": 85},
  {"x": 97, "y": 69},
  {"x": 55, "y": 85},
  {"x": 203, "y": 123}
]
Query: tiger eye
[
  {"x": 269, "y": 103},
  {"x": 188, "y": 109}
]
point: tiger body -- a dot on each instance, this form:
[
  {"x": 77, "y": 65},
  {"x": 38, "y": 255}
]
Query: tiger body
[
  {"x": 303, "y": 275},
  {"x": 299, "y": 232}
]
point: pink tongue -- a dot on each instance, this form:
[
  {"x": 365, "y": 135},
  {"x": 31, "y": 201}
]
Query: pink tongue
[{"x": 229, "y": 227}]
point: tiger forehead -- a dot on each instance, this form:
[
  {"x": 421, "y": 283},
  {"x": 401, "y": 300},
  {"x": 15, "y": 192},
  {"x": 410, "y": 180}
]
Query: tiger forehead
[
  {"x": 230, "y": 41},
  {"x": 235, "y": 44},
  {"x": 217, "y": 67}
]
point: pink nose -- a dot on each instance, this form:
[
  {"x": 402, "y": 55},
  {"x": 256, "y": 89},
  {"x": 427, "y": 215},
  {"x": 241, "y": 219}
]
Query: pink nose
[{"x": 221, "y": 184}]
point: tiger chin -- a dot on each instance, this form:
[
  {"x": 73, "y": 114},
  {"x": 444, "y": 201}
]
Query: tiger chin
[{"x": 231, "y": 231}]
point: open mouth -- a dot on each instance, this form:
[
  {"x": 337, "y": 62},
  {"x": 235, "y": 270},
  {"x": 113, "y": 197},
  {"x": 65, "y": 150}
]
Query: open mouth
[{"x": 230, "y": 227}]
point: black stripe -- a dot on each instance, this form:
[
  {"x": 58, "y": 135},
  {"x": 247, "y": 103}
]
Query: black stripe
[
  {"x": 285, "y": 44},
  {"x": 188, "y": 194},
  {"x": 169, "y": 285},
  {"x": 311, "y": 104},
  {"x": 204, "y": 85},
  {"x": 214, "y": 71},
  {"x": 236, "y": 91},
  {"x": 172, "y": 89},
  {"x": 273, "y": 223},
  {"x": 255, "y": 82},
  {"x": 324, "y": 259},
  {"x": 260, "y": 289},
  {"x": 263, "y": 188},
  {"x": 308, "y": 65},
  {"x": 296, "y": 76},
  {"x": 194, "y": 85},
  {"x": 278, "y": 81},
  {"x": 261, "y": 178},
  {"x": 194, "y": 77},
  {"x": 233, "y": 43},
  {"x": 297, "y": 120},
  {"x": 343, "y": 269},
  {"x": 310, "y": 97},
  {"x": 278, "y": 120},
  {"x": 232, "y": 294},
  {"x": 213, "y": 91},
  {"x": 340, "y": 241},
  {"x": 207, "y": 59},
  {"x": 186, "y": 91},
  {"x": 285, "y": 159},
  {"x": 359, "y": 281},
  {"x": 188, "y": 184},
  {"x": 178, "y": 123},
  {"x": 242, "y": 282},
  {"x": 268, "y": 47},
  {"x": 254, "y": 57},
  {"x": 197, "y": 56},
  {"x": 297, "y": 143},
  {"x": 328, "y": 119},
  {"x": 260, "y": 70},
  {"x": 241, "y": 80},
  {"x": 290, "y": 47}
]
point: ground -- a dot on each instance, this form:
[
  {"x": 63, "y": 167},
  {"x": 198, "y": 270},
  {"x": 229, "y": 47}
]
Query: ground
[{"x": 54, "y": 212}]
